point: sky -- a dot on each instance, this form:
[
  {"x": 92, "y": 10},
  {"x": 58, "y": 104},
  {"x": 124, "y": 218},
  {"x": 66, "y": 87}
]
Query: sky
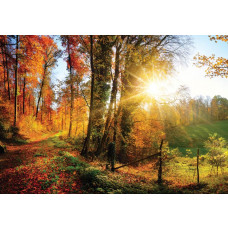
[
  {"x": 194, "y": 77},
  {"x": 187, "y": 74}
]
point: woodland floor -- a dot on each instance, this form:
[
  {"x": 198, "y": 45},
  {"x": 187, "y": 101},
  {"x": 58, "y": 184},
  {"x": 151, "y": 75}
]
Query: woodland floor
[{"x": 51, "y": 165}]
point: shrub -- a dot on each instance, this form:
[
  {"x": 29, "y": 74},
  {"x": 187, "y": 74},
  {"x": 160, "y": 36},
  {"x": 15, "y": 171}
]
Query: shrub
[
  {"x": 14, "y": 130},
  {"x": 2, "y": 131},
  {"x": 2, "y": 148},
  {"x": 40, "y": 155},
  {"x": 90, "y": 175},
  {"x": 61, "y": 153},
  {"x": 71, "y": 169},
  {"x": 217, "y": 147}
]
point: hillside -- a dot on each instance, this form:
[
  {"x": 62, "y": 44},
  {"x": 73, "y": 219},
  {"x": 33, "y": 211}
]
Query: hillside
[{"x": 194, "y": 136}]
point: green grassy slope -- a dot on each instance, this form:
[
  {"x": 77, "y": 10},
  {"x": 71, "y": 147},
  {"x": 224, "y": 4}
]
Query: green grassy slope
[{"x": 194, "y": 136}]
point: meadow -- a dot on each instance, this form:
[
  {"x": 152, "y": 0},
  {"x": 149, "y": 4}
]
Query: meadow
[{"x": 195, "y": 136}]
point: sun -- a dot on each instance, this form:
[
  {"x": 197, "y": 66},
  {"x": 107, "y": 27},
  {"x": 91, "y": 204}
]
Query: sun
[
  {"x": 154, "y": 89},
  {"x": 159, "y": 89}
]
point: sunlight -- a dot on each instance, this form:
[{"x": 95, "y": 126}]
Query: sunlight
[
  {"x": 157, "y": 89},
  {"x": 153, "y": 89}
]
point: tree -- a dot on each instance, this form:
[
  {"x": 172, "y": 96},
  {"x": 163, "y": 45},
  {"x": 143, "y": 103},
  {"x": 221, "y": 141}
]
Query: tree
[
  {"x": 112, "y": 104},
  {"x": 22, "y": 62},
  {"x": 85, "y": 149},
  {"x": 218, "y": 151},
  {"x": 102, "y": 69},
  {"x": 7, "y": 58},
  {"x": 16, "y": 81},
  {"x": 30, "y": 62},
  {"x": 146, "y": 57},
  {"x": 215, "y": 67},
  {"x": 50, "y": 54},
  {"x": 76, "y": 66}
]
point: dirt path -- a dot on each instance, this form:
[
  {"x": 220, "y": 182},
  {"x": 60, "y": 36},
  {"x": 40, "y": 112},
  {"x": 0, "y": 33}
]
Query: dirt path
[
  {"x": 35, "y": 168},
  {"x": 23, "y": 154}
]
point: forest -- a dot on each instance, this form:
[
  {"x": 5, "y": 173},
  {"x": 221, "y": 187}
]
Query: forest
[{"x": 110, "y": 124}]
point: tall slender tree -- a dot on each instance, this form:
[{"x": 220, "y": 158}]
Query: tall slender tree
[{"x": 85, "y": 149}]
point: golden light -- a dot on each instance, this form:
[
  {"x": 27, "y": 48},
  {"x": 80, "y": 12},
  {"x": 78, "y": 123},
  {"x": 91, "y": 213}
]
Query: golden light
[
  {"x": 155, "y": 89},
  {"x": 152, "y": 89}
]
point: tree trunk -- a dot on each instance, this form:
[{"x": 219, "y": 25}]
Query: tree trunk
[
  {"x": 87, "y": 139},
  {"x": 115, "y": 123},
  {"x": 29, "y": 103},
  {"x": 71, "y": 90},
  {"x": 7, "y": 73},
  {"x": 4, "y": 67},
  {"x": 160, "y": 164},
  {"x": 40, "y": 94},
  {"x": 41, "y": 109},
  {"x": 198, "y": 166},
  {"x": 65, "y": 115},
  {"x": 16, "y": 78},
  {"x": 77, "y": 114},
  {"x": 24, "y": 96},
  {"x": 62, "y": 120},
  {"x": 112, "y": 103}
]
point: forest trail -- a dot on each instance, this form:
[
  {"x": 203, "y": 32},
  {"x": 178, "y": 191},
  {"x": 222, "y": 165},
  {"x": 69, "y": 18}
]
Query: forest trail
[
  {"x": 31, "y": 168},
  {"x": 51, "y": 165},
  {"x": 23, "y": 154}
]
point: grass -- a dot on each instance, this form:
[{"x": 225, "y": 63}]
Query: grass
[
  {"x": 179, "y": 177},
  {"x": 194, "y": 136},
  {"x": 58, "y": 169}
]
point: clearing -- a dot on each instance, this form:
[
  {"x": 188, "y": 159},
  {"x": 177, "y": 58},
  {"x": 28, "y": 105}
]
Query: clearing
[{"x": 194, "y": 136}]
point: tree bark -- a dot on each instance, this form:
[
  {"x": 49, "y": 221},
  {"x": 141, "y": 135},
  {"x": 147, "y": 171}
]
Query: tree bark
[
  {"x": 65, "y": 115},
  {"x": 7, "y": 73},
  {"x": 115, "y": 123},
  {"x": 41, "y": 109},
  {"x": 24, "y": 96},
  {"x": 16, "y": 83},
  {"x": 4, "y": 66},
  {"x": 160, "y": 164},
  {"x": 40, "y": 94},
  {"x": 85, "y": 149},
  {"x": 112, "y": 103},
  {"x": 198, "y": 166},
  {"x": 29, "y": 104},
  {"x": 62, "y": 120},
  {"x": 71, "y": 90}
]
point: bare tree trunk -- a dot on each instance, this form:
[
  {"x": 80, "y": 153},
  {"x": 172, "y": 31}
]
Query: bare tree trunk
[
  {"x": 160, "y": 164},
  {"x": 77, "y": 92},
  {"x": 198, "y": 166},
  {"x": 24, "y": 96},
  {"x": 83, "y": 128},
  {"x": 87, "y": 139},
  {"x": 71, "y": 90},
  {"x": 62, "y": 120},
  {"x": 29, "y": 103},
  {"x": 115, "y": 123},
  {"x": 7, "y": 73},
  {"x": 40, "y": 94},
  {"x": 4, "y": 66},
  {"x": 16, "y": 83},
  {"x": 112, "y": 103},
  {"x": 41, "y": 110},
  {"x": 65, "y": 115}
]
